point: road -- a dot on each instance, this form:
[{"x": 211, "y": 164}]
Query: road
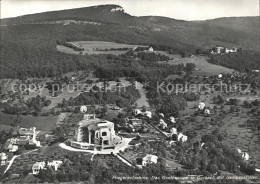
[{"x": 14, "y": 157}]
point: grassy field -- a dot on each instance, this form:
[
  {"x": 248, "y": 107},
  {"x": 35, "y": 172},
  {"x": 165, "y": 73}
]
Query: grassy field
[
  {"x": 204, "y": 68},
  {"x": 44, "y": 123},
  {"x": 96, "y": 47}
]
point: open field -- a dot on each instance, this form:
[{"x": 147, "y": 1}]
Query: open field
[
  {"x": 44, "y": 123},
  {"x": 96, "y": 47},
  {"x": 204, "y": 68}
]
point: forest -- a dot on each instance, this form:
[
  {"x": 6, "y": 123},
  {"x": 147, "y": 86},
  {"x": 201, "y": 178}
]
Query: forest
[{"x": 244, "y": 61}]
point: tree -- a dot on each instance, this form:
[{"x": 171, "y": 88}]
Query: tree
[{"x": 213, "y": 168}]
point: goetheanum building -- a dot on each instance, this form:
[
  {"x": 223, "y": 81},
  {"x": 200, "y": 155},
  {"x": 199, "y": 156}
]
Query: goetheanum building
[{"x": 95, "y": 134}]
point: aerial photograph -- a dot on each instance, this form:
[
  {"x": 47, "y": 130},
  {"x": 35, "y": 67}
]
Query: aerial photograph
[{"x": 130, "y": 91}]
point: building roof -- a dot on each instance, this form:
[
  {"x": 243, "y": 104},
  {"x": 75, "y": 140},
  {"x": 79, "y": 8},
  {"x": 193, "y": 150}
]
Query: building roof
[
  {"x": 3, "y": 156},
  {"x": 150, "y": 157},
  {"x": 38, "y": 165},
  {"x": 96, "y": 123}
]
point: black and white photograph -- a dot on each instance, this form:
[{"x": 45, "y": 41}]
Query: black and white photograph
[{"x": 130, "y": 91}]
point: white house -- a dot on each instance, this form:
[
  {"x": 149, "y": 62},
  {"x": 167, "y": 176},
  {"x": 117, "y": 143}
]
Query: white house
[
  {"x": 230, "y": 50},
  {"x": 148, "y": 159},
  {"x": 207, "y": 111},
  {"x": 220, "y": 76},
  {"x": 173, "y": 131},
  {"x": 182, "y": 138},
  {"x": 245, "y": 156},
  {"x": 172, "y": 119},
  {"x": 12, "y": 148},
  {"x": 146, "y": 113},
  {"x": 201, "y": 105},
  {"x": 150, "y": 49},
  {"x": 83, "y": 109},
  {"x": 137, "y": 111},
  {"x": 163, "y": 124},
  {"x": 37, "y": 167},
  {"x": 55, "y": 164},
  {"x": 3, "y": 158}
]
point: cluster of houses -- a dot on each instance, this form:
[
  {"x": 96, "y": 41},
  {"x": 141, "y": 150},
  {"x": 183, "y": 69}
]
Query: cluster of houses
[
  {"x": 26, "y": 136},
  {"x": 223, "y": 50},
  {"x": 44, "y": 165},
  {"x": 173, "y": 132},
  {"x": 203, "y": 109}
]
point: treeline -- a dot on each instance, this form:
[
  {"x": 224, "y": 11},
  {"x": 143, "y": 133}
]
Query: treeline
[
  {"x": 122, "y": 97},
  {"x": 70, "y": 45},
  {"x": 33, "y": 105},
  {"x": 36, "y": 62},
  {"x": 137, "y": 70},
  {"x": 152, "y": 57},
  {"x": 30, "y": 50},
  {"x": 244, "y": 61},
  {"x": 175, "y": 50}
]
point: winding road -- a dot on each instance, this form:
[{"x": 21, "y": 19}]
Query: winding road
[{"x": 14, "y": 157}]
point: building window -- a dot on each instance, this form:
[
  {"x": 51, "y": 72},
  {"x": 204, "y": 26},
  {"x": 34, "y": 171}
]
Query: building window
[
  {"x": 104, "y": 134},
  {"x": 106, "y": 142}
]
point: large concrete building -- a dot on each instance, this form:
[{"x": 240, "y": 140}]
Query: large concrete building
[{"x": 94, "y": 134}]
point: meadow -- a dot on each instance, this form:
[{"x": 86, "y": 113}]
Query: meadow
[{"x": 97, "y": 47}]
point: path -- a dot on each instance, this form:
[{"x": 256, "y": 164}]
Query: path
[
  {"x": 119, "y": 147},
  {"x": 14, "y": 157},
  {"x": 142, "y": 101}
]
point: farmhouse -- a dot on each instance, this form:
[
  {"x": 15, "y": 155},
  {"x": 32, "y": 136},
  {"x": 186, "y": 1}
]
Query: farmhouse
[
  {"x": 227, "y": 51},
  {"x": 148, "y": 159},
  {"x": 217, "y": 50}
]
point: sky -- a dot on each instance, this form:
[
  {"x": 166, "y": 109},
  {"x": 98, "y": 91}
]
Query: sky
[{"x": 177, "y": 9}]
